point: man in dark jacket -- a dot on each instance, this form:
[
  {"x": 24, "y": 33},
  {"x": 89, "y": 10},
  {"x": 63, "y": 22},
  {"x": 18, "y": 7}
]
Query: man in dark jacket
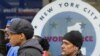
[
  {"x": 71, "y": 44},
  {"x": 3, "y": 49},
  {"x": 20, "y": 33}
]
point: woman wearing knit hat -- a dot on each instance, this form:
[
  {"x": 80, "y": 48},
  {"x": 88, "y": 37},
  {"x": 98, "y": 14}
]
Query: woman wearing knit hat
[{"x": 71, "y": 44}]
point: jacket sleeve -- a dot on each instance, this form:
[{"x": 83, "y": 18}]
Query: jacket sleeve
[{"x": 30, "y": 52}]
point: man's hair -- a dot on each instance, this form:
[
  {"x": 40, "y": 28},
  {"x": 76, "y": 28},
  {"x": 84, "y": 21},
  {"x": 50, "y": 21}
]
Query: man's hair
[
  {"x": 27, "y": 32},
  {"x": 43, "y": 42}
]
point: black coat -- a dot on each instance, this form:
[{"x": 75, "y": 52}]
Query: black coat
[{"x": 79, "y": 54}]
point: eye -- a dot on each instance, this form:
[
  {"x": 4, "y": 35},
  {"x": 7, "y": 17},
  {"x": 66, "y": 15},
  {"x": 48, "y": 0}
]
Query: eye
[
  {"x": 6, "y": 35},
  {"x": 11, "y": 33}
]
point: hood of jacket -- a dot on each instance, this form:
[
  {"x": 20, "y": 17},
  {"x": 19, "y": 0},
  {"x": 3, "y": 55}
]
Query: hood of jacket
[{"x": 32, "y": 43}]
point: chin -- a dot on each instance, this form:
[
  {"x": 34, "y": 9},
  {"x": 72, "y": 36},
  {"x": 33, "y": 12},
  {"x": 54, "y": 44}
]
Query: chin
[
  {"x": 63, "y": 53},
  {"x": 13, "y": 45}
]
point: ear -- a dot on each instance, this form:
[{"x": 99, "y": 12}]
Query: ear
[
  {"x": 22, "y": 36},
  {"x": 75, "y": 48}
]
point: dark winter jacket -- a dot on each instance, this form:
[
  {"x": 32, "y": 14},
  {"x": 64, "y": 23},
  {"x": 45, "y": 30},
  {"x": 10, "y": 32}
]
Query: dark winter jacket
[
  {"x": 30, "y": 48},
  {"x": 79, "y": 54}
]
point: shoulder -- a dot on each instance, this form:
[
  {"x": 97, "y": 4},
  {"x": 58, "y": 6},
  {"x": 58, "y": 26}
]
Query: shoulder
[
  {"x": 1, "y": 54},
  {"x": 29, "y": 52}
]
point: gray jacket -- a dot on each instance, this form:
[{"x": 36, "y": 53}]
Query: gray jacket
[{"x": 30, "y": 48}]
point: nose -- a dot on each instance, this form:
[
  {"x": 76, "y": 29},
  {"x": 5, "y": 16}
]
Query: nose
[
  {"x": 62, "y": 46},
  {"x": 6, "y": 36}
]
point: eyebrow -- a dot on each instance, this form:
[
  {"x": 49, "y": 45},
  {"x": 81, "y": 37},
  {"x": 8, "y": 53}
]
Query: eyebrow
[{"x": 65, "y": 42}]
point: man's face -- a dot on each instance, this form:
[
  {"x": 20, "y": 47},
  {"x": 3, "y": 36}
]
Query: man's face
[
  {"x": 14, "y": 39},
  {"x": 67, "y": 48}
]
